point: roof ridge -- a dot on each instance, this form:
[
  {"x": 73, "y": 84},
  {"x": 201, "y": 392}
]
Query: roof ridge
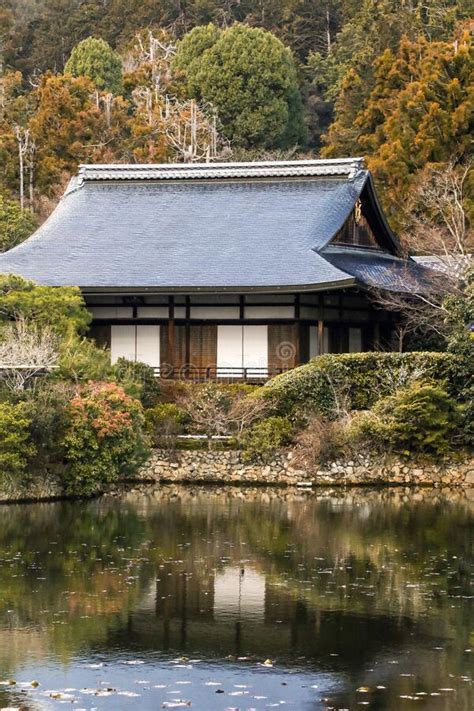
[{"x": 347, "y": 167}]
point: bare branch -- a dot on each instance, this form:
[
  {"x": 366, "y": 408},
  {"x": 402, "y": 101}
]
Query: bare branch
[
  {"x": 437, "y": 225},
  {"x": 25, "y": 352}
]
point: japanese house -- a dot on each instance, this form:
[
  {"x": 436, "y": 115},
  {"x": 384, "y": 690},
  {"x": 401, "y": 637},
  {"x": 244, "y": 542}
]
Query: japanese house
[{"x": 227, "y": 270}]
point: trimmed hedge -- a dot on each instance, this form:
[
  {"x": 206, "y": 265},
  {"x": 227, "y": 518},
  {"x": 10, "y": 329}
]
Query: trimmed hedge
[{"x": 361, "y": 378}]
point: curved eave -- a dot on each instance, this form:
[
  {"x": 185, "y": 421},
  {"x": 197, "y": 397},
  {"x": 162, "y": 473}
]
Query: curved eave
[{"x": 290, "y": 288}]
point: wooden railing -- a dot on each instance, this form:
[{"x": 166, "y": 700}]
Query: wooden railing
[{"x": 221, "y": 374}]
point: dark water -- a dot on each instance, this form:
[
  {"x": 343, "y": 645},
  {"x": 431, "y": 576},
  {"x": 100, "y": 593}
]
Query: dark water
[{"x": 228, "y": 599}]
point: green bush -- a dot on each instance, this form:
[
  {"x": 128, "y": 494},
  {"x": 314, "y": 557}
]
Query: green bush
[
  {"x": 104, "y": 438},
  {"x": 15, "y": 444},
  {"x": 422, "y": 419},
  {"x": 462, "y": 345},
  {"x": 261, "y": 441},
  {"x": 138, "y": 380},
  {"x": 357, "y": 380},
  {"x": 164, "y": 423},
  {"x": 82, "y": 360},
  {"x": 47, "y": 407}
]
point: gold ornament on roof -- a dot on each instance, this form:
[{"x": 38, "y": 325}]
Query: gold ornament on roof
[{"x": 358, "y": 211}]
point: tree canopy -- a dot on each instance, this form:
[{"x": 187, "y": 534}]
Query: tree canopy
[
  {"x": 419, "y": 112},
  {"x": 15, "y": 224},
  {"x": 60, "y": 309},
  {"x": 250, "y": 77},
  {"x": 94, "y": 58},
  {"x": 156, "y": 80}
]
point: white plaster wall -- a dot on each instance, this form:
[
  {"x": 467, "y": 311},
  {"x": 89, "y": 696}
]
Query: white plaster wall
[
  {"x": 355, "y": 340},
  {"x": 269, "y": 312},
  {"x": 111, "y": 311}
]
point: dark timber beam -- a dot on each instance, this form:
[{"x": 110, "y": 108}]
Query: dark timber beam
[{"x": 171, "y": 335}]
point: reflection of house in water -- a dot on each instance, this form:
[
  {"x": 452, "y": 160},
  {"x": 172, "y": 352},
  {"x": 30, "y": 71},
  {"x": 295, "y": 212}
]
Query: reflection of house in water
[
  {"x": 239, "y": 592},
  {"x": 215, "y": 612}
]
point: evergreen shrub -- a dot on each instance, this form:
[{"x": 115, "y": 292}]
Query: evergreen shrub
[
  {"x": 82, "y": 360},
  {"x": 360, "y": 379},
  {"x": 47, "y": 406},
  {"x": 138, "y": 380},
  {"x": 15, "y": 444},
  {"x": 420, "y": 419},
  {"x": 164, "y": 423},
  {"x": 260, "y": 441}
]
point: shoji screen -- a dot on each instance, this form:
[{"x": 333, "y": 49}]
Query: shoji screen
[
  {"x": 136, "y": 343},
  {"x": 123, "y": 343},
  {"x": 241, "y": 347}
]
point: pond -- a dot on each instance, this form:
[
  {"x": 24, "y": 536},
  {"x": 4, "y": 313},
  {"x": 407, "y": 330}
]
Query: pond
[{"x": 218, "y": 599}]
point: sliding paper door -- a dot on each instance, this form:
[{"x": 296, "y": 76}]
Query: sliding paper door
[
  {"x": 123, "y": 343},
  {"x": 136, "y": 343},
  {"x": 240, "y": 347}
]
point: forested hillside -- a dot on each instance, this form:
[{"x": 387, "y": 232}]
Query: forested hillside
[{"x": 184, "y": 80}]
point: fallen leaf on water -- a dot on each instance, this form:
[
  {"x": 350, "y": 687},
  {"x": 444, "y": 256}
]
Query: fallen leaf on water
[{"x": 127, "y": 693}]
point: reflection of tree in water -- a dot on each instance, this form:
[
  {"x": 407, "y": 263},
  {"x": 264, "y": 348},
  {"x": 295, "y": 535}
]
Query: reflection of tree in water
[
  {"x": 67, "y": 572},
  {"x": 218, "y": 574}
]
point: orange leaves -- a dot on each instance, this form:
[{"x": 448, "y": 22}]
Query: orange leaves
[
  {"x": 418, "y": 112},
  {"x": 105, "y": 407}
]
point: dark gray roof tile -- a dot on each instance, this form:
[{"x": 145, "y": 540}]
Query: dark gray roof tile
[{"x": 222, "y": 233}]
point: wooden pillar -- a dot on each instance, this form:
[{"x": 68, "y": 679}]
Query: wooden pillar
[
  {"x": 171, "y": 335},
  {"x": 320, "y": 336},
  {"x": 242, "y": 307},
  {"x": 297, "y": 306},
  {"x": 297, "y": 331},
  {"x": 187, "y": 338},
  {"x": 296, "y": 343}
]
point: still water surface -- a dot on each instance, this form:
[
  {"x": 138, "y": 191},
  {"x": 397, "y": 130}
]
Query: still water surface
[{"x": 238, "y": 599}]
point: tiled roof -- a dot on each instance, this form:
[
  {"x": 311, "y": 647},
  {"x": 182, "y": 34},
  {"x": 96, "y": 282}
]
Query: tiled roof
[
  {"x": 199, "y": 226},
  {"x": 377, "y": 269},
  {"x": 344, "y": 167}
]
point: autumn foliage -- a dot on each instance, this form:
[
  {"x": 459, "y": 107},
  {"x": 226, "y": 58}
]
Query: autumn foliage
[{"x": 104, "y": 438}]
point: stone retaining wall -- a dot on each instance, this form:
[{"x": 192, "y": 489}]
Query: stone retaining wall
[{"x": 228, "y": 467}]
